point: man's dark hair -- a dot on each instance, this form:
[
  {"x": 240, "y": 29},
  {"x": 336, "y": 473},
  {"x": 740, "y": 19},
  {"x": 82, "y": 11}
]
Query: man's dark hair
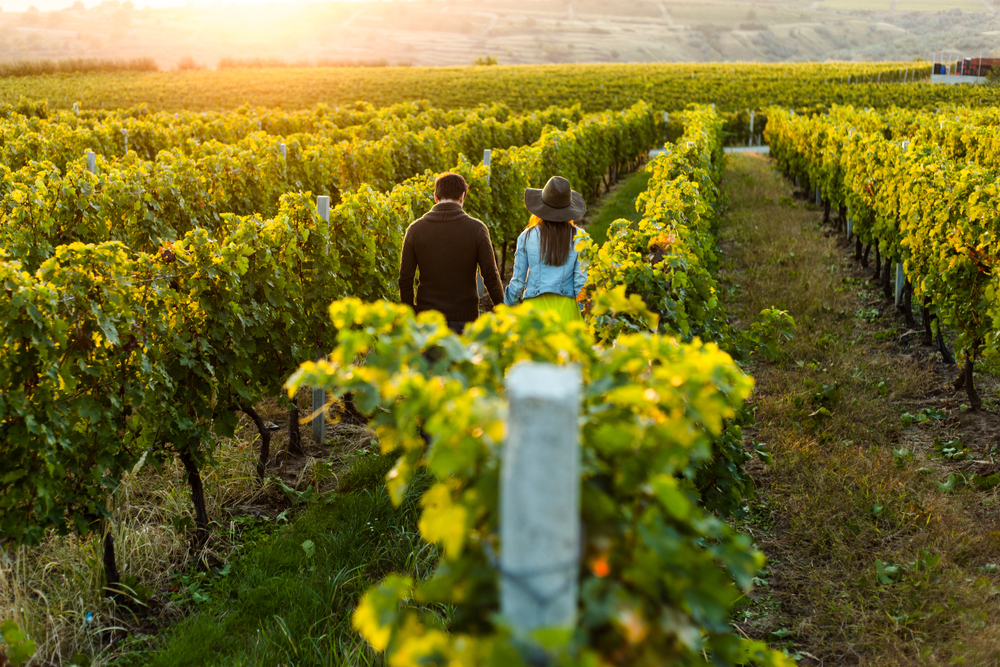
[{"x": 450, "y": 186}]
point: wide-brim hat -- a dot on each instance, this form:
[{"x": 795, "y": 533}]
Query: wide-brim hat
[{"x": 556, "y": 202}]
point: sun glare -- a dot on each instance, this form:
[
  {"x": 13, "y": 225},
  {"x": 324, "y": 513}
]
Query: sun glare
[{"x": 55, "y": 5}]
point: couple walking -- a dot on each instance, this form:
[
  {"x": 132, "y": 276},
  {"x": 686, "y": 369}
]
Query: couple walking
[{"x": 447, "y": 245}]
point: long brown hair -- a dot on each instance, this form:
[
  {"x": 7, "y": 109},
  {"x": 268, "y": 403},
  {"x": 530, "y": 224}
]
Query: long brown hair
[{"x": 556, "y": 239}]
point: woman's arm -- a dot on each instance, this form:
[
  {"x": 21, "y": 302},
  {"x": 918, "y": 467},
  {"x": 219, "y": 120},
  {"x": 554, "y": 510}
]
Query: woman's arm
[
  {"x": 579, "y": 274},
  {"x": 515, "y": 289}
]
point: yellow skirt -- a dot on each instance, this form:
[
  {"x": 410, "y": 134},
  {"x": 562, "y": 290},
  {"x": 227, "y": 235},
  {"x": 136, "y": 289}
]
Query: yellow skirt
[{"x": 563, "y": 306}]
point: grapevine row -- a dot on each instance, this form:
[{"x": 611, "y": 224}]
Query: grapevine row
[
  {"x": 731, "y": 86},
  {"x": 141, "y": 203},
  {"x": 654, "y": 409},
  {"x": 113, "y": 355},
  {"x": 62, "y": 137},
  {"x": 914, "y": 202}
]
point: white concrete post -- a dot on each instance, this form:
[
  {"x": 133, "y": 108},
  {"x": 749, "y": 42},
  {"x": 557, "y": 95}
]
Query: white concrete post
[
  {"x": 666, "y": 117},
  {"x": 125, "y": 135},
  {"x": 751, "y": 127},
  {"x": 487, "y": 156},
  {"x": 76, "y": 108},
  {"x": 91, "y": 162},
  {"x": 850, "y": 227},
  {"x": 540, "y": 497},
  {"x": 284, "y": 151},
  {"x": 319, "y": 395},
  {"x": 323, "y": 208}
]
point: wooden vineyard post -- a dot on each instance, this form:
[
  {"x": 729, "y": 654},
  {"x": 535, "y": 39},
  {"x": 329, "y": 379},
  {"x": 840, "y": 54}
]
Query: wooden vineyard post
[
  {"x": 319, "y": 395},
  {"x": 900, "y": 282},
  {"x": 540, "y": 498},
  {"x": 480, "y": 285},
  {"x": 91, "y": 162},
  {"x": 900, "y": 275}
]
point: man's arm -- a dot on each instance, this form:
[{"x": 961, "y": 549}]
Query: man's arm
[
  {"x": 407, "y": 269},
  {"x": 488, "y": 267}
]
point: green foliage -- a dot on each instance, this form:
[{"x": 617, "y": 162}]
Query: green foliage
[
  {"x": 733, "y": 87},
  {"x": 667, "y": 261},
  {"x": 769, "y": 333},
  {"x": 173, "y": 180},
  {"x": 15, "y": 645},
  {"x": 652, "y": 588},
  {"x": 668, "y": 257},
  {"x": 74, "y": 365},
  {"x": 620, "y": 203},
  {"x": 921, "y": 186}
]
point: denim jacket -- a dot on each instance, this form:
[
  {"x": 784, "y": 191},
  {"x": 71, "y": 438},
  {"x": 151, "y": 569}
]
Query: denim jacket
[{"x": 532, "y": 277}]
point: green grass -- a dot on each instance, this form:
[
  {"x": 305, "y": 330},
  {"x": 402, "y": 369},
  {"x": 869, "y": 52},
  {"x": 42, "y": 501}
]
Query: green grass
[
  {"x": 289, "y": 599},
  {"x": 620, "y": 203},
  {"x": 873, "y": 560}
]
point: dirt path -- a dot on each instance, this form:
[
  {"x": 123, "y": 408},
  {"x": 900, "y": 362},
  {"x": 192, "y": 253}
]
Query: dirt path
[{"x": 879, "y": 513}]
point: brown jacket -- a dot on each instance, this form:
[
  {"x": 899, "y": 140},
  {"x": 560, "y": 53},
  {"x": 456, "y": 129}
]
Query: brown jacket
[{"x": 447, "y": 245}]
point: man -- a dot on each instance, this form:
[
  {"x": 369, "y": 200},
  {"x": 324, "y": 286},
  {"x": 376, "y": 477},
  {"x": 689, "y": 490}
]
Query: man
[{"x": 446, "y": 246}]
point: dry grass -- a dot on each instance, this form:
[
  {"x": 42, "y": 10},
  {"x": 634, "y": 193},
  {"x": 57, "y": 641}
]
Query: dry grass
[
  {"x": 54, "y": 590},
  {"x": 836, "y": 501}
]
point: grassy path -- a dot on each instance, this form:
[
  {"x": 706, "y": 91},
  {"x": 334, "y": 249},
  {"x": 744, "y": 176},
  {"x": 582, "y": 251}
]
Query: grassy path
[
  {"x": 619, "y": 202},
  {"x": 288, "y": 600},
  {"x": 878, "y": 515}
]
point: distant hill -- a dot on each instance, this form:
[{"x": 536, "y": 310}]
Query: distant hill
[{"x": 457, "y": 32}]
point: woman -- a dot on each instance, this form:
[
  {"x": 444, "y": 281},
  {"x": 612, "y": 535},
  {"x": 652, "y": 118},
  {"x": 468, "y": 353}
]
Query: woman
[{"x": 547, "y": 271}]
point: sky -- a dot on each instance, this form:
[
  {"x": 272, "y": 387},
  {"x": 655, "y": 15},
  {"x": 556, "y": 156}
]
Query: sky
[{"x": 52, "y": 5}]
